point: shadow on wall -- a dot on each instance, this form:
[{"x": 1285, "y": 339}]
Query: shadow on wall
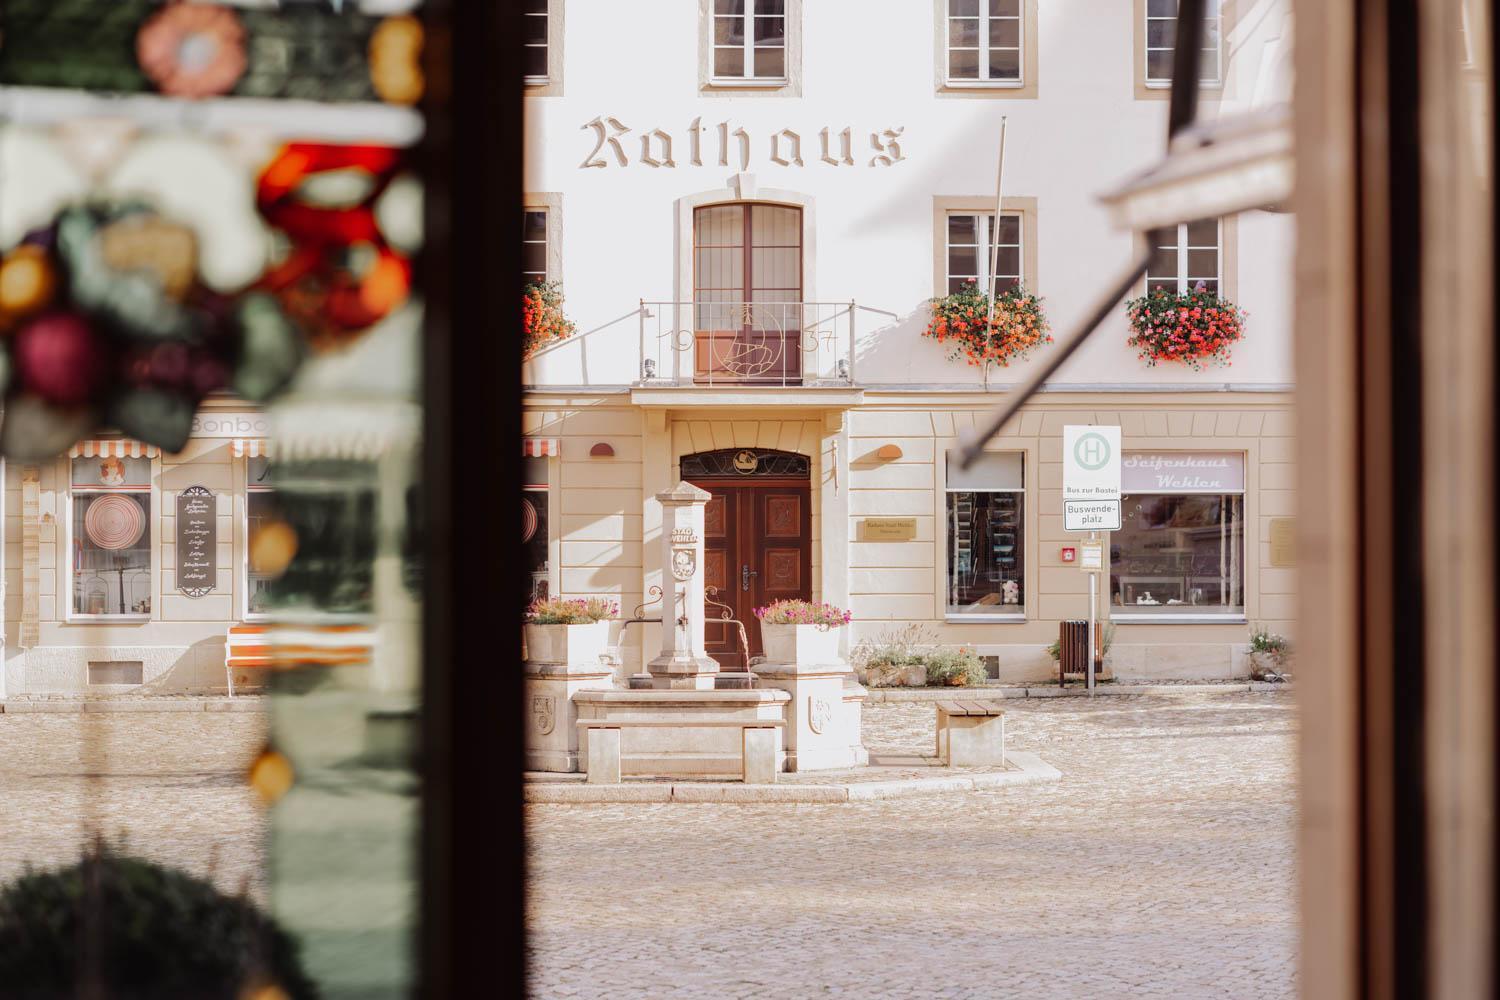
[
  {"x": 603, "y": 355},
  {"x": 896, "y": 352}
]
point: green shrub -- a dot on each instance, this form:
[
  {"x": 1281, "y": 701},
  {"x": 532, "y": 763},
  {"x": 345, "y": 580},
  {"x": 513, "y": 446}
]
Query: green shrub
[
  {"x": 162, "y": 934},
  {"x": 955, "y": 666}
]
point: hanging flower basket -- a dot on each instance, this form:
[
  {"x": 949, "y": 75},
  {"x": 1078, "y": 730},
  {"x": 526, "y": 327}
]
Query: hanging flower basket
[
  {"x": 963, "y": 322},
  {"x": 1193, "y": 328},
  {"x": 542, "y": 319}
]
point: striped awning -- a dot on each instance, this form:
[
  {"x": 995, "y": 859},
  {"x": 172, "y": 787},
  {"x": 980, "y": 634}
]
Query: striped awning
[
  {"x": 252, "y": 448},
  {"x": 538, "y": 447},
  {"x": 116, "y": 448}
]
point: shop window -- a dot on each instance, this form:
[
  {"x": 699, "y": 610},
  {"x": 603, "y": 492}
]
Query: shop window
[
  {"x": 1160, "y": 28},
  {"x": 1189, "y": 255},
  {"x": 986, "y": 564},
  {"x": 971, "y": 239},
  {"x": 112, "y": 534},
  {"x": 330, "y": 506},
  {"x": 749, "y": 41},
  {"x": 534, "y": 529},
  {"x": 1180, "y": 549},
  {"x": 984, "y": 41},
  {"x": 261, "y": 512}
]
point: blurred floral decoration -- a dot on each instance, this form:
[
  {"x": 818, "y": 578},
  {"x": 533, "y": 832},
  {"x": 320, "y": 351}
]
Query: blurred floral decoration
[
  {"x": 963, "y": 321},
  {"x": 1194, "y": 328},
  {"x": 542, "y": 319},
  {"x": 105, "y": 318},
  {"x": 308, "y": 51}
]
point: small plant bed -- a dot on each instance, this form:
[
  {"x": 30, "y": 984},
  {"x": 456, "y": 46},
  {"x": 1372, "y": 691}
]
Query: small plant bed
[
  {"x": 1270, "y": 655},
  {"x": 584, "y": 611},
  {"x": 964, "y": 323},
  {"x": 799, "y": 612},
  {"x": 1195, "y": 328},
  {"x": 542, "y": 319}
]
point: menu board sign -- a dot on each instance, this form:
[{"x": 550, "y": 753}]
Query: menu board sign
[{"x": 197, "y": 541}]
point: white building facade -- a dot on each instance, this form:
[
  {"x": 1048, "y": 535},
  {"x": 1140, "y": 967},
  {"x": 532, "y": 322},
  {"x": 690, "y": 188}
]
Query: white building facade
[{"x": 749, "y": 205}]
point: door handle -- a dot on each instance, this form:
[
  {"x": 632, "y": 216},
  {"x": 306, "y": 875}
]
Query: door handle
[{"x": 745, "y": 574}]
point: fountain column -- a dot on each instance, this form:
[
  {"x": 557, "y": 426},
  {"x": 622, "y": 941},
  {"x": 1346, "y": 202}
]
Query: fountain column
[{"x": 684, "y": 664}]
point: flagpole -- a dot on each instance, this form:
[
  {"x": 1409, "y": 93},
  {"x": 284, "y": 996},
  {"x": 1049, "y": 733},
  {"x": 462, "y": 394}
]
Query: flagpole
[{"x": 994, "y": 248}]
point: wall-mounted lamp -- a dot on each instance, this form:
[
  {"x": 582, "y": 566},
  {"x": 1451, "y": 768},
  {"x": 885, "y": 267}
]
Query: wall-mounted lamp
[
  {"x": 601, "y": 450},
  {"x": 888, "y": 453}
]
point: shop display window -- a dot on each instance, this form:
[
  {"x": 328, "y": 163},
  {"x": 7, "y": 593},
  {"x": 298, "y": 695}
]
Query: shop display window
[
  {"x": 985, "y": 526},
  {"x": 1179, "y": 554},
  {"x": 111, "y": 537},
  {"x": 534, "y": 533},
  {"x": 261, "y": 512}
]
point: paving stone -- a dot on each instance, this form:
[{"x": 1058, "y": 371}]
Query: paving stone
[{"x": 1161, "y": 865}]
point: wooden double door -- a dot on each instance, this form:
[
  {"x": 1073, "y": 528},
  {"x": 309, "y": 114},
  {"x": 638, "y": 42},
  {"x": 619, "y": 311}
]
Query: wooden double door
[{"x": 757, "y": 548}]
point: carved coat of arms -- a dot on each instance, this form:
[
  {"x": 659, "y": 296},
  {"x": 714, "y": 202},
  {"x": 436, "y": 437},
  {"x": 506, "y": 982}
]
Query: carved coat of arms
[
  {"x": 544, "y": 712},
  {"x": 684, "y": 563},
  {"x": 819, "y": 713}
]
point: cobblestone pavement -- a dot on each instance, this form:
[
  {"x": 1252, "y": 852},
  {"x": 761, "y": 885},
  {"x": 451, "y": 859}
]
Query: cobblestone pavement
[
  {"x": 1160, "y": 866},
  {"x": 171, "y": 785}
]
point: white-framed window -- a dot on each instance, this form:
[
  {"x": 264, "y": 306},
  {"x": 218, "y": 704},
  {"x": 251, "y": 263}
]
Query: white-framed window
[
  {"x": 1188, "y": 255},
  {"x": 985, "y": 42},
  {"x": 534, "y": 245},
  {"x": 1161, "y": 37},
  {"x": 534, "y": 42},
  {"x": 971, "y": 238},
  {"x": 111, "y": 529},
  {"x": 535, "y": 536},
  {"x": 1180, "y": 550},
  {"x": 749, "y": 41},
  {"x": 261, "y": 511},
  {"x": 985, "y": 515}
]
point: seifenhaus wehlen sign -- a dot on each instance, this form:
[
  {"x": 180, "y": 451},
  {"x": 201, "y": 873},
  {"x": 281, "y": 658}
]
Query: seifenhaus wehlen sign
[
  {"x": 1184, "y": 472},
  {"x": 1091, "y": 478}
]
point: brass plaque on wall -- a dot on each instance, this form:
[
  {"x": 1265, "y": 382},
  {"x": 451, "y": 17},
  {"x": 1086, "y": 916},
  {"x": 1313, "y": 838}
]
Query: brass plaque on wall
[
  {"x": 1283, "y": 542},
  {"x": 890, "y": 529}
]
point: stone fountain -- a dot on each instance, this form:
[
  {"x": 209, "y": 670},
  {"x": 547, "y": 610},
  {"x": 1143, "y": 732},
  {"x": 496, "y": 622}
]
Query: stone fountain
[{"x": 799, "y": 717}]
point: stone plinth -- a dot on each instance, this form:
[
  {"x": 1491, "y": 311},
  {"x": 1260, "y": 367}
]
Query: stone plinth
[
  {"x": 551, "y": 717},
  {"x": 822, "y": 726},
  {"x": 670, "y": 744}
]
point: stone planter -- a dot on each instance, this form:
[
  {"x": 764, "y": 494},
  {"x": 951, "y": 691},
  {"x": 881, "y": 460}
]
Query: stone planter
[
  {"x": 574, "y": 645},
  {"x": 895, "y": 675},
  {"x": 803, "y": 644},
  {"x": 1264, "y": 665}
]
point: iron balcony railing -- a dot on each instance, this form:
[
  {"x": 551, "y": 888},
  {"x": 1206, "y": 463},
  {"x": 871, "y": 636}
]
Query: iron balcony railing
[{"x": 766, "y": 343}]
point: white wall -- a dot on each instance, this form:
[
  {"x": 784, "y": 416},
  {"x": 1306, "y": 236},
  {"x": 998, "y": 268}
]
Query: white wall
[{"x": 869, "y": 65}]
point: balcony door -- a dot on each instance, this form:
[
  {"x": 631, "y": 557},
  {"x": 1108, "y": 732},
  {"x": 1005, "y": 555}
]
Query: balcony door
[{"x": 747, "y": 294}]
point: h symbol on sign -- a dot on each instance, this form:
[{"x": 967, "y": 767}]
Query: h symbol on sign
[{"x": 1091, "y": 451}]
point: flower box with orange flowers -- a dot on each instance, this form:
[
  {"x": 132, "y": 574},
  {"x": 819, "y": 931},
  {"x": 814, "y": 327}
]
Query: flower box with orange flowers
[
  {"x": 1193, "y": 328},
  {"x": 542, "y": 318},
  {"x": 963, "y": 322}
]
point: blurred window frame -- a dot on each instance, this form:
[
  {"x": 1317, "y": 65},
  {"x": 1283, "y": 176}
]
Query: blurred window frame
[
  {"x": 551, "y": 84},
  {"x": 1220, "y": 17}
]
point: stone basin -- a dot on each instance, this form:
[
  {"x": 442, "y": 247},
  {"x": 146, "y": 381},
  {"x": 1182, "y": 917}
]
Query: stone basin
[{"x": 680, "y": 749}]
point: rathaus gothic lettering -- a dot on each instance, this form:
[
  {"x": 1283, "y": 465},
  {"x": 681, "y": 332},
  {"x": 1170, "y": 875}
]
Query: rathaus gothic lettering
[{"x": 615, "y": 141}]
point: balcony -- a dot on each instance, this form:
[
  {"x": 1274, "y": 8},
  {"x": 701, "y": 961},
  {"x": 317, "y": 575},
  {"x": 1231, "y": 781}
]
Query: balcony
[{"x": 747, "y": 345}]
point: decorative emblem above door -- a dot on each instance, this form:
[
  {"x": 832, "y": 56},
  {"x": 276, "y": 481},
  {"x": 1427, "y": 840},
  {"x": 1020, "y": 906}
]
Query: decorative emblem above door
[{"x": 742, "y": 462}]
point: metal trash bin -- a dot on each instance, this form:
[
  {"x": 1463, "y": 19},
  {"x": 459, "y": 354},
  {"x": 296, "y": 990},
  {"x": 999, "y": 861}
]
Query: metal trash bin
[{"x": 1073, "y": 649}]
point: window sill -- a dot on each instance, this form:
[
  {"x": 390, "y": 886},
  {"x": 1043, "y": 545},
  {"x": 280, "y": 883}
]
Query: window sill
[
  {"x": 1012, "y": 619},
  {"x": 1167, "y": 85},
  {"x": 984, "y": 84},
  {"x": 108, "y": 619},
  {"x": 1129, "y": 619},
  {"x": 756, "y": 84},
  {"x": 537, "y": 81}
]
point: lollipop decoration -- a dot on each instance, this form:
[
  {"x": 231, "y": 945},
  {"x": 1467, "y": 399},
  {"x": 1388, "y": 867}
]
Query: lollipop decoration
[{"x": 114, "y": 521}]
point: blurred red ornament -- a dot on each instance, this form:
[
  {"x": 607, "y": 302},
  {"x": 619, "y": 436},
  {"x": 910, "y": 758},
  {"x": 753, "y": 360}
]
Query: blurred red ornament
[
  {"x": 192, "y": 49},
  {"x": 169, "y": 363},
  {"x": 60, "y": 358},
  {"x": 209, "y": 374}
]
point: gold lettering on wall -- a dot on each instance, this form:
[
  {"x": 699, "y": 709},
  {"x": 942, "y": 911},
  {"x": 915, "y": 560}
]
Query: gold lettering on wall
[{"x": 735, "y": 142}]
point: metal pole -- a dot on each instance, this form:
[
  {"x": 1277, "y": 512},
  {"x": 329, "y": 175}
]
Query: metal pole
[
  {"x": 1093, "y": 587},
  {"x": 994, "y": 236}
]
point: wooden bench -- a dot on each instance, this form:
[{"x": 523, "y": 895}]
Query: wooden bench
[
  {"x": 267, "y": 646},
  {"x": 970, "y": 733},
  {"x": 758, "y": 744}
]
